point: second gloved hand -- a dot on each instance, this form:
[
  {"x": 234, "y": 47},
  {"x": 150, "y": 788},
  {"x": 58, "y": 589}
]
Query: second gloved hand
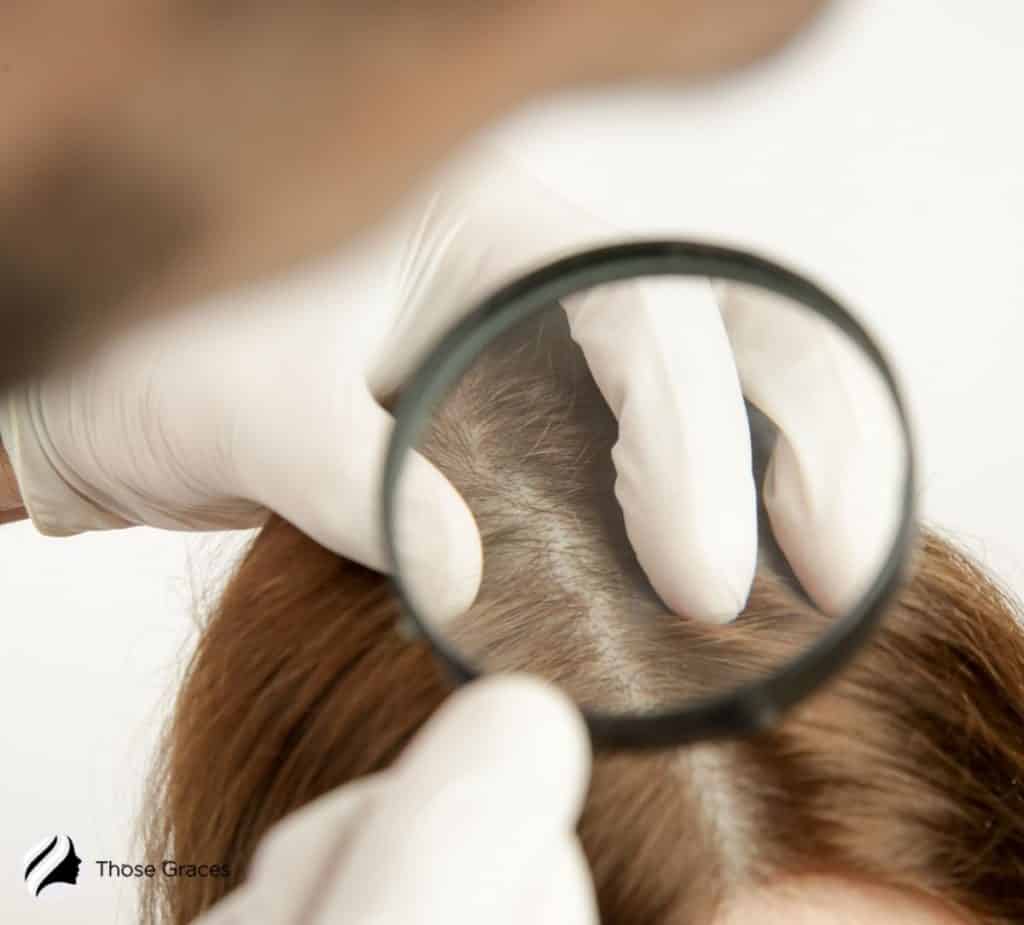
[{"x": 475, "y": 822}]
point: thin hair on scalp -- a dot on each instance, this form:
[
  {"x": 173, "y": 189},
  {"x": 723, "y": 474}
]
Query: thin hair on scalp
[{"x": 905, "y": 771}]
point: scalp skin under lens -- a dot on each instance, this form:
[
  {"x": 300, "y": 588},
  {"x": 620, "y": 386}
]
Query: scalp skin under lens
[
  {"x": 553, "y": 511},
  {"x": 509, "y": 371}
]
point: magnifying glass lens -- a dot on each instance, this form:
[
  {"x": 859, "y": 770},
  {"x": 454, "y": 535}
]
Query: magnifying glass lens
[{"x": 760, "y": 455}]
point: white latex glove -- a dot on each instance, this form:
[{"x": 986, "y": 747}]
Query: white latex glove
[
  {"x": 834, "y": 484},
  {"x": 203, "y": 420},
  {"x": 474, "y": 823}
]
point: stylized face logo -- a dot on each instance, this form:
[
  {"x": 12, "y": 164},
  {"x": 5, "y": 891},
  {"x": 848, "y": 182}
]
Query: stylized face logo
[
  {"x": 52, "y": 861},
  {"x": 76, "y": 861}
]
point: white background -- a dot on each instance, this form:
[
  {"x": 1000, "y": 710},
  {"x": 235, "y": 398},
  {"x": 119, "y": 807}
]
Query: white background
[{"x": 884, "y": 155}]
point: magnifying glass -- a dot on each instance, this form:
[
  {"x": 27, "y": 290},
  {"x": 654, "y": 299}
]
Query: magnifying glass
[{"x": 505, "y": 406}]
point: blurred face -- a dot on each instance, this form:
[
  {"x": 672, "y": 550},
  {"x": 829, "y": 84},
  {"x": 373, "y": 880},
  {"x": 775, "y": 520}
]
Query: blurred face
[
  {"x": 691, "y": 38},
  {"x": 323, "y": 115}
]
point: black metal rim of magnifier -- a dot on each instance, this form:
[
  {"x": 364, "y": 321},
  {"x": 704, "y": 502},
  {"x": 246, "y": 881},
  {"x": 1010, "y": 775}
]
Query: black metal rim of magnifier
[{"x": 757, "y": 705}]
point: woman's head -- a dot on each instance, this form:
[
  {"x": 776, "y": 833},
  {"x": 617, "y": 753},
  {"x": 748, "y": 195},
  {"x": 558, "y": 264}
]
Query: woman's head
[{"x": 897, "y": 787}]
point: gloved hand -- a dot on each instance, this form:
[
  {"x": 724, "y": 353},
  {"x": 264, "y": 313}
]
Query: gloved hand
[
  {"x": 474, "y": 823},
  {"x": 203, "y": 420}
]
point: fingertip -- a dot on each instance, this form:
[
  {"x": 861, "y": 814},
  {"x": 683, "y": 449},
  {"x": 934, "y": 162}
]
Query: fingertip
[
  {"x": 496, "y": 780},
  {"x": 522, "y": 730},
  {"x": 836, "y": 542},
  {"x": 662, "y": 357},
  {"x": 710, "y": 579},
  {"x": 569, "y": 897},
  {"x": 438, "y": 550},
  {"x": 697, "y": 546}
]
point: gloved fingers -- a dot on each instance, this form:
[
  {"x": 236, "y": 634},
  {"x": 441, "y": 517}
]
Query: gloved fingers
[
  {"x": 300, "y": 858},
  {"x": 237, "y": 908},
  {"x": 495, "y": 781},
  {"x": 485, "y": 221},
  {"x": 320, "y": 467},
  {"x": 567, "y": 894},
  {"x": 659, "y": 352},
  {"x": 511, "y": 730},
  {"x": 312, "y": 832},
  {"x": 297, "y": 859},
  {"x": 834, "y": 483}
]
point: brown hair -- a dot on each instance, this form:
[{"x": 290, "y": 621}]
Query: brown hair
[{"x": 906, "y": 771}]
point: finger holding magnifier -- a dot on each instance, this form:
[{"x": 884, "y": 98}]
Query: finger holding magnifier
[{"x": 831, "y": 489}]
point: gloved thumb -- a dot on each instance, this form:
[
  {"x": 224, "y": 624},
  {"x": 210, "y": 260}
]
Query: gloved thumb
[
  {"x": 498, "y": 779},
  {"x": 474, "y": 823},
  {"x": 321, "y": 467}
]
